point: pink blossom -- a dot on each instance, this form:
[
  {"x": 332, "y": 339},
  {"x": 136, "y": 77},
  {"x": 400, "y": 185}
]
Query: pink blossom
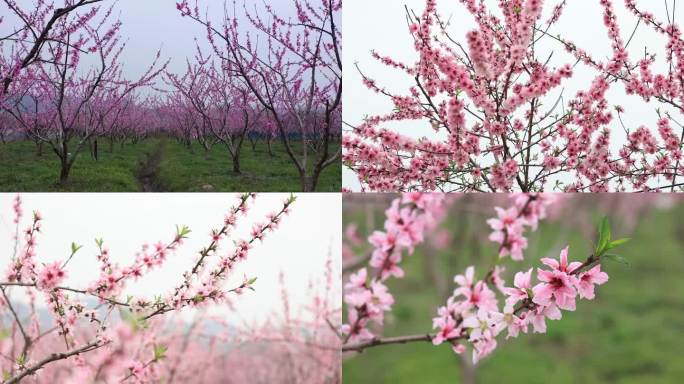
[
  {"x": 523, "y": 286},
  {"x": 51, "y": 276},
  {"x": 447, "y": 329},
  {"x": 557, "y": 284},
  {"x": 587, "y": 280}
]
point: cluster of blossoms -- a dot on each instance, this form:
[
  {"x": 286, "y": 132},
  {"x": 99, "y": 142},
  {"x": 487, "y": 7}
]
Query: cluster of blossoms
[
  {"x": 367, "y": 296},
  {"x": 473, "y": 315},
  {"x": 488, "y": 97},
  {"x": 84, "y": 323},
  {"x": 480, "y": 309},
  {"x": 510, "y": 224}
]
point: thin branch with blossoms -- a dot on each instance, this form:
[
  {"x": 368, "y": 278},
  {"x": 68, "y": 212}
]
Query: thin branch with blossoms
[
  {"x": 88, "y": 323},
  {"x": 407, "y": 220},
  {"x": 472, "y": 317},
  {"x": 32, "y": 21}
]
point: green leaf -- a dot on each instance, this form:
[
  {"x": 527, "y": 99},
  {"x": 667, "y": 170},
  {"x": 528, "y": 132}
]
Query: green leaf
[
  {"x": 252, "y": 281},
  {"x": 136, "y": 322},
  {"x": 616, "y": 243},
  {"x": 183, "y": 231},
  {"x": 159, "y": 352},
  {"x": 99, "y": 242},
  {"x": 616, "y": 258},
  {"x": 75, "y": 247},
  {"x": 604, "y": 236}
]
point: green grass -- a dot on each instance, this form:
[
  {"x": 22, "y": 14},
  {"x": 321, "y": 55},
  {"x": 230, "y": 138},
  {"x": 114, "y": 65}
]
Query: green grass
[
  {"x": 632, "y": 333},
  {"x": 180, "y": 169},
  {"x": 185, "y": 170}
]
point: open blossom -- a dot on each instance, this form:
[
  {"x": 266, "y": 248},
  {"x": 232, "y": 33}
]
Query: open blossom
[
  {"x": 373, "y": 299},
  {"x": 557, "y": 285},
  {"x": 466, "y": 280},
  {"x": 587, "y": 280},
  {"x": 506, "y": 218},
  {"x": 381, "y": 300},
  {"x": 534, "y": 209},
  {"x": 562, "y": 265},
  {"x": 522, "y": 288},
  {"x": 507, "y": 320},
  {"x": 476, "y": 294},
  {"x": 387, "y": 254},
  {"x": 388, "y": 265},
  {"x": 356, "y": 327},
  {"x": 405, "y": 223},
  {"x": 483, "y": 331},
  {"x": 447, "y": 329},
  {"x": 51, "y": 276},
  {"x": 510, "y": 224},
  {"x": 537, "y": 317},
  {"x": 357, "y": 280},
  {"x": 512, "y": 242},
  {"x": 480, "y": 296}
]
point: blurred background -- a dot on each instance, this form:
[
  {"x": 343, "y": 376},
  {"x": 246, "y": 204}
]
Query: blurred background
[{"x": 633, "y": 332}]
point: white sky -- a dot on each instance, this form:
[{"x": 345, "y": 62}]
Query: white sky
[
  {"x": 300, "y": 247},
  {"x": 381, "y": 25}
]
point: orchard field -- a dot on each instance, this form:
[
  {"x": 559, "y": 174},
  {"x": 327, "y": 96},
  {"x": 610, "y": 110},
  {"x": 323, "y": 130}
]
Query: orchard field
[
  {"x": 246, "y": 99},
  {"x": 158, "y": 164},
  {"x": 630, "y": 333}
]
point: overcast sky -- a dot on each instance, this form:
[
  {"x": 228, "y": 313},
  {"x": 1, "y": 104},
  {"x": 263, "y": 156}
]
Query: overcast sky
[
  {"x": 299, "y": 248},
  {"x": 381, "y": 25},
  {"x": 150, "y": 25}
]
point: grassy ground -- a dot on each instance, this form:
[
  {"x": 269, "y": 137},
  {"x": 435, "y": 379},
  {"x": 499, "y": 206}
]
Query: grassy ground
[
  {"x": 180, "y": 169},
  {"x": 632, "y": 333}
]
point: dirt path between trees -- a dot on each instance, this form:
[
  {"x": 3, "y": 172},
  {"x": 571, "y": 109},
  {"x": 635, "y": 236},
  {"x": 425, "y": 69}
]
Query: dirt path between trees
[{"x": 148, "y": 172}]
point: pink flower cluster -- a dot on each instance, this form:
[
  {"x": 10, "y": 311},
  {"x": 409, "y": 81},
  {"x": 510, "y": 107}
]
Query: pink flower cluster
[
  {"x": 367, "y": 297},
  {"x": 203, "y": 283},
  {"x": 51, "y": 276},
  {"x": 510, "y": 224},
  {"x": 473, "y": 316},
  {"x": 486, "y": 99}
]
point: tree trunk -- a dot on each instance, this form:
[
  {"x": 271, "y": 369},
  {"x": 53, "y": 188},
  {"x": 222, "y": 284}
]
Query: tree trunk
[
  {"x": 39, "y": 149},
  {"x": 236, "y": 163},
  {"x": 308, "y": 183},
  {"x": 65, "y": 169},
  {"x": 270, "y": 148},
  {"x": 468, "y": 369}
]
